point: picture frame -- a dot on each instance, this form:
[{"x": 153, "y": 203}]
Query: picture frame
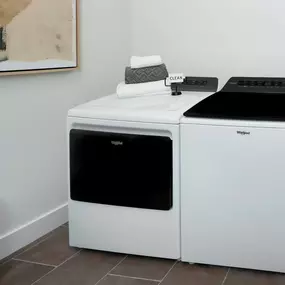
[{"x": 51, "y": 46}]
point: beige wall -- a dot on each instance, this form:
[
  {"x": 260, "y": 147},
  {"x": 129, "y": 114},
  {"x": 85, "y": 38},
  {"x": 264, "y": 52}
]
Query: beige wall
[{"x": 43, "y": 30}]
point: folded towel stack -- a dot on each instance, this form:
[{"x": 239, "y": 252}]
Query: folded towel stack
[{"x": 145, "y": 77}]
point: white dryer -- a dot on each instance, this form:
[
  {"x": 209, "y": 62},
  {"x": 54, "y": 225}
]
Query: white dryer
[
  {"x": 232, "y": 176},
  {"x": 124, "y": 174}
]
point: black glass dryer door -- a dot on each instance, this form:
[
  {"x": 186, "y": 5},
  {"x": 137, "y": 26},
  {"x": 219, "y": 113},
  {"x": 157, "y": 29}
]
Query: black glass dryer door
[{"x": 121, "y": 169}]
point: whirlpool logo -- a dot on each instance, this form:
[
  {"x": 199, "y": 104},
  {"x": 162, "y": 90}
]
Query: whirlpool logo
[
  {"x": 243, "y": 133},
  {"x": 117, "y": 143}
]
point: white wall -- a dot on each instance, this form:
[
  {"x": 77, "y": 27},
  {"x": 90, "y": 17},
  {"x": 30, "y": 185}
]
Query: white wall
[
  {"x": 216, "y": 38},
  {"x": 33, "y": 109}
]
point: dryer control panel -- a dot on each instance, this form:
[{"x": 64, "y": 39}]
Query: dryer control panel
[{"x": 198, "y": 84}]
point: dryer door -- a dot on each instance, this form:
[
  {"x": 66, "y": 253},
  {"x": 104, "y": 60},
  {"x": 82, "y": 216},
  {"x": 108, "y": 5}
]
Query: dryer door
[{"x": 121, "y": 169}]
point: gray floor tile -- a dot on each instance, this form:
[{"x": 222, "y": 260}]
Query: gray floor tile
[
  {"x": 20, "y": 251},
  {"x": 185, "y": 274},
  {"x": 86, "y": 268},
  {"x": 89, "y": 267},
  {"x": 21, "y": 273},
  {"x": 52, "y": 251},
  {"x": 249, "y": 277},
  {"x": 144, "y": 267},
  {"x": 115, "y": 280}
]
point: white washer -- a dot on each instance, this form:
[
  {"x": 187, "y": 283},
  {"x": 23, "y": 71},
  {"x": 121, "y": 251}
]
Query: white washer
[
  {"x": 124, "y": 174},
  {"x": 232, "y": 177}
]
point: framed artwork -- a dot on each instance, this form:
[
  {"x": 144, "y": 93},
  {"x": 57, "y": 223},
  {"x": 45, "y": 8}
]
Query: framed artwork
[{"x": 38, "y": 36}]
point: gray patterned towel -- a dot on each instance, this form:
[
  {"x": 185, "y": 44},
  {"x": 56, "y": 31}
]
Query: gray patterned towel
[{"x": 145, "y": 74}]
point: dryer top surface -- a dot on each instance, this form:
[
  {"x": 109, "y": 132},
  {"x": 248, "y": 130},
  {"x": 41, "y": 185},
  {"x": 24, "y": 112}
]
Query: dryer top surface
[{"x": 163, "y": 109}]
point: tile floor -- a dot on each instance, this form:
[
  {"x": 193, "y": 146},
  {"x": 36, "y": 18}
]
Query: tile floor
[{"x": 50, "y": 261}]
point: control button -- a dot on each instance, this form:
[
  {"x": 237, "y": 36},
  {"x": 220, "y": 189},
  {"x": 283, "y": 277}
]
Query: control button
[{"x": 250, "y": 83}]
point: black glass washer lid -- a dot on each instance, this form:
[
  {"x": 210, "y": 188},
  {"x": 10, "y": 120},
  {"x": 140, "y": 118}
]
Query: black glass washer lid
[{"x": 261, "y": 99}]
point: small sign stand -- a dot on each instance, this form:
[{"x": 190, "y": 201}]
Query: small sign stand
[{"x": 175, "y": 81}]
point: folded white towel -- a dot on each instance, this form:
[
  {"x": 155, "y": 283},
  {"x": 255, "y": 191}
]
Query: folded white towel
[
  {"x": 145, "y": 61},
  {"x": 142, "y": 89}
]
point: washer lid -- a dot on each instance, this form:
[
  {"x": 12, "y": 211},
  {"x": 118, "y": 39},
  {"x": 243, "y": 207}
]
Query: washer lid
[
  {"x": 258, "y": 99},
  {"x": 156, "y": 109}
]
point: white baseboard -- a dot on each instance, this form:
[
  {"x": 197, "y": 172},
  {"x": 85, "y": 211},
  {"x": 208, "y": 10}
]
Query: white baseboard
[{"x": 31, "y": 231}]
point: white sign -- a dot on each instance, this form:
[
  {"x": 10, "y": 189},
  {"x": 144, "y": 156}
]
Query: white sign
[{"x": 176, "y": 78}]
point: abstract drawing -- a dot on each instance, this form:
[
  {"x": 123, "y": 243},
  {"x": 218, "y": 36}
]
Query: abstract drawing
[{"x": 38, "y": 35}]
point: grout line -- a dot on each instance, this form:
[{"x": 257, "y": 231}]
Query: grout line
[
  {"x": 75, "y": 254},
  {"x": 131, "y": 277},
  {"x": 168, "y": 272},
  {"x": 39, "y": 263},
  {"x": 110, "y": 270},
  {"x": 224, "y": 281}
]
